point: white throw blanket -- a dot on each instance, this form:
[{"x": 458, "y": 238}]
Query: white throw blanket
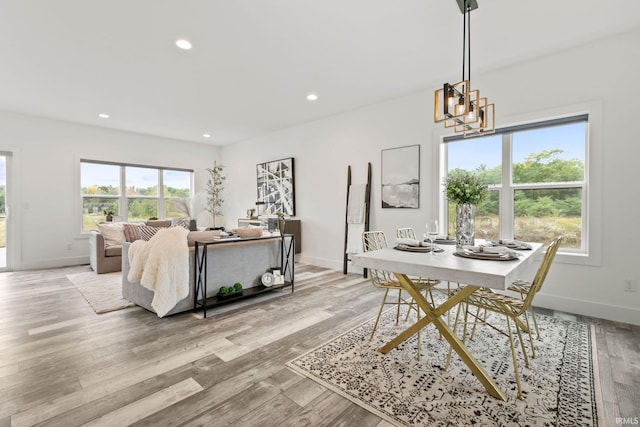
[
  {"x": 355, "y": 218},
  {"x": 162, "y": 266},
  {"x": 354, "y": 238},
  {"x": 356, "y": 204}
]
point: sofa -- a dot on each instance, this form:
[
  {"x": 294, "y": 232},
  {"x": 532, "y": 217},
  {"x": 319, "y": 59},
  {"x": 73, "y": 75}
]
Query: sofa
[
  {"x": 102, "y": 258},
  {"x": 105, "y": 244},
  {"x": 227, "y": 263}
]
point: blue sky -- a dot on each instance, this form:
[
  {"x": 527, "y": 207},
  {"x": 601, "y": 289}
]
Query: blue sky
[
  {"x": 470, "y": 153},
  {"x": 100, "y": 174}
]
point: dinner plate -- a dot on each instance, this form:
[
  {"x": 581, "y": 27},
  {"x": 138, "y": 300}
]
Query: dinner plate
[
  {"x": 445, "y": 241},
  {"x": 486, "y": 255},
  {"x": 407, "y": 248},
  {"x": 511, "y": 244}
]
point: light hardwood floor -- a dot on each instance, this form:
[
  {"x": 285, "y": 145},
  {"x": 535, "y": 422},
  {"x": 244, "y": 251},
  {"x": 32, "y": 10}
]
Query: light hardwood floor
[{"x": 63, "y": 365}]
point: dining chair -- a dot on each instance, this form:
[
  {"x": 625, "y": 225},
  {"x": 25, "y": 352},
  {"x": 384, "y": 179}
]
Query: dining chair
[
  {"x": 513, "y": 309},
  {"x": 374, "y": 240},
  {"x": 523, "y": 287},
  {"x": 409, "y": 233},
  {"x": 406, "y": 233}
]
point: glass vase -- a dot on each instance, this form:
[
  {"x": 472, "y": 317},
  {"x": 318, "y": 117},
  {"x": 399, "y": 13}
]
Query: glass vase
[{"x": 465, "y": 224}]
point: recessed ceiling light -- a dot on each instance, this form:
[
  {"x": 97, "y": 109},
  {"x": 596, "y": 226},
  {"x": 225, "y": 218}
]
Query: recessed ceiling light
[
  {"x": 206, "y": 135},
  {"x": 312, "y": 97},
  {"x": 103, "y": 116},
  {"x": 184, "y": 44}
]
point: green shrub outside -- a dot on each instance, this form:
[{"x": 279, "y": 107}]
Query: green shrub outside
[{"x": 540, "y": 215}]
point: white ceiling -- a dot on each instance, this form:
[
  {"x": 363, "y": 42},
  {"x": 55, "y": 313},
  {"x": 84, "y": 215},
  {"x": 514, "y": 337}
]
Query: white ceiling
[{"x": 254, "y": 61}]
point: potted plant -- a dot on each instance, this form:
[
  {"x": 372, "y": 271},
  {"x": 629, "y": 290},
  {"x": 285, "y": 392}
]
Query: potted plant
[
  {"x": 108, "y": 215},
  {"x": 215, "y": 186},
  {"x": 191, "y": 207},
  {"x": 466, "y": 190},
  {"x": 229, "y": 292},
  {"x": 281, "y": 222}
]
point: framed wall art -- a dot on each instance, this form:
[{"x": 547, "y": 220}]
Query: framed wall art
[
  {"x": 276, "y": 186},
  {"x": 401, "y": 177}
]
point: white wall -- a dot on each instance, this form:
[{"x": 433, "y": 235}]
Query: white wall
[
  {"x": 599, "y": 74},
  {"x": 45, "y": 209}
]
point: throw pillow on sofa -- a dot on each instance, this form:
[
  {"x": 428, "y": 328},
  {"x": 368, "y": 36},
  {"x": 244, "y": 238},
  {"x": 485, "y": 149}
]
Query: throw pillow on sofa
[
  {"x": 113, "y": 233},
  {"x": 131, "y": 232},
  {"x": 180, "y": 222},
  {"x": 201, "y": 236},
  {"x": 248, "y": 232},
  {"x": 147, "y": 232}
]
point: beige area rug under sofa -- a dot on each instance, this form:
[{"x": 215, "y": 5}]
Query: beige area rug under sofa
[{"x": 103, "y": 292}]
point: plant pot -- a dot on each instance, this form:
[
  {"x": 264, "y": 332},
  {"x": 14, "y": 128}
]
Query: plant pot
[
  {"x": 465, "y": 224},
  {"x": 281, "y": 225},
  {"x": 222, "y": 297},
  {"x": 109, "y": 218}
]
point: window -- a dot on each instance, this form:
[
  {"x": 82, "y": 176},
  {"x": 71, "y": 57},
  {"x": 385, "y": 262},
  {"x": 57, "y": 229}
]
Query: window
[
  {"x": 537, "y": 181},
  {"x": 176, "y": 184},
  {"x": 131, "y": 192}
]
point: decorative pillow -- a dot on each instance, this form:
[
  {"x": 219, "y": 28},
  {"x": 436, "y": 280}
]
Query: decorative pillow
[
  {"x": 248, "y": 232},
  {"x": 113, "y": 233},
  {"x": 201, "y": 236},
  {"x": 180, "y": 222},
  {"x": 131, "y": 232},
  {"x": 146, "y": 232}
]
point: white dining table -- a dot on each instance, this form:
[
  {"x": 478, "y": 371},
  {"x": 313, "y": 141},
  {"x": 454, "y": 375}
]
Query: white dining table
[{"x": 445, "y": 266}]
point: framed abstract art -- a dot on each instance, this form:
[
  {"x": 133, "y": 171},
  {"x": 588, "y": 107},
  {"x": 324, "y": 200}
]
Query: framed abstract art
[{"x": 276, "y": 186}]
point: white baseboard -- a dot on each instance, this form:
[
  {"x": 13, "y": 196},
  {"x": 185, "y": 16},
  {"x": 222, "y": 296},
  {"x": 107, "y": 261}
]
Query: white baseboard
[
  {"x": 320, "y": 262},
  {"x": 588, "y": 308},
  {"x": 54, "y": 263},
  {"x": 331, "y": 264}
]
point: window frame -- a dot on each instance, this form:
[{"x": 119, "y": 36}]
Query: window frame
[
  {"x": 123, "y": 198},
  {"x": 591, "y": 254}
]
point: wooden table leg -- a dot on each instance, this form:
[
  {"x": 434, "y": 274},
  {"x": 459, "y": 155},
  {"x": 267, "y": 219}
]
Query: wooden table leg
[{"x": 432, "y": 315}]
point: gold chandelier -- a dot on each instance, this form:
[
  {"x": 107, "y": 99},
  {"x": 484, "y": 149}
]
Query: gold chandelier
[{"x": 457, "y": 105}]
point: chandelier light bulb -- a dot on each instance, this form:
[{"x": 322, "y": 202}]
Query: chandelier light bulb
[
  {"x": 460, "y": 106},
  {"x": 472, "y": 114}
]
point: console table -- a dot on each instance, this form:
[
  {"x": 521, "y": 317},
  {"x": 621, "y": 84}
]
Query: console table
[
  {"x": 291, "y": 226},
  {"x": 287, "y": 249}
]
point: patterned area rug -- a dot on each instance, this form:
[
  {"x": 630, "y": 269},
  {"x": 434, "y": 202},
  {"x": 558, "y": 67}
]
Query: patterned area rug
[
  {"x": 103, "y": 292},
  {"x": 560, "y": 387}
]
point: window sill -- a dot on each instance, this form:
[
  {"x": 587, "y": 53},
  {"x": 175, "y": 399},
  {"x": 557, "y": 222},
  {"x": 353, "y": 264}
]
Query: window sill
[{"x": 577, "y": 258}]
